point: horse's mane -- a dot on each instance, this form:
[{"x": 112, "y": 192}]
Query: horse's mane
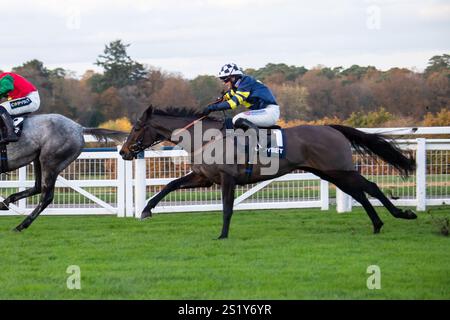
[
  {"x": 178, "y": 112},
  {"x": 182, "y": 112}
]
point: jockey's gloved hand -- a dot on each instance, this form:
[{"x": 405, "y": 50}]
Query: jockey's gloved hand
[
  {"x": 206, "y": 111},
  {"x": 217, "y": 107}
]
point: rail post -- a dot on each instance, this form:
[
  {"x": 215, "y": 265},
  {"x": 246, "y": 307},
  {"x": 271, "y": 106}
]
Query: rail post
[
  {"x": 421, "y": 171},
  {"x": 140, "y": 184},
  {"x": 324, "y": 195},
  {"x": 343, "y": 201},
  {"x": 121, "y": 180}
]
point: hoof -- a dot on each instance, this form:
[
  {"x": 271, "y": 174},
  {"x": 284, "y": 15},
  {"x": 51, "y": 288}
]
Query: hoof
[
  {"x": 409, "y": 214},
  {"x": 3, "y": 206},
  {"x": 406, "y": 214},
  {"x": 222, "y": 237},
  {"x": 146, "y": 215},
  {"x": 17, "y": 229},
  {"x": 377, "y": 228}
]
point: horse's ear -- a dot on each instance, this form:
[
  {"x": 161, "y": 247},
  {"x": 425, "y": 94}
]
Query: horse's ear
[{"x": 147, "y": 114}]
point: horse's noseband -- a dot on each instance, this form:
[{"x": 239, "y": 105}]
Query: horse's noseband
[{"x": 137, "y": 147}]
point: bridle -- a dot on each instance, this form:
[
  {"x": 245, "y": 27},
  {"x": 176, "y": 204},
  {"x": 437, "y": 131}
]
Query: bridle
[{"x": 138, "y": 146}]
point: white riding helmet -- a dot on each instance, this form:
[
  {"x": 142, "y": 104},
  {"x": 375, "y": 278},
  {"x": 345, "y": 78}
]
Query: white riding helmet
[{"x": 230, "y": 69}]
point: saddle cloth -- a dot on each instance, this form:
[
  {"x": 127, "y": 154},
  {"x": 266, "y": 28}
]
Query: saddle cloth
[
  {"x": 278, "y": 148},
  {"x": 271, "y": 143}
]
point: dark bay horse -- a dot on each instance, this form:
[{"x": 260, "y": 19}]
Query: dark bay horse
[
  {"x": 322, "y": 150},
  {"x": 51, "y": 142}
]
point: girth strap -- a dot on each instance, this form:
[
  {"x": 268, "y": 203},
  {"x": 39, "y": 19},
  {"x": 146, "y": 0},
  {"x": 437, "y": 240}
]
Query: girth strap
[{"x": 3, "y": 158}]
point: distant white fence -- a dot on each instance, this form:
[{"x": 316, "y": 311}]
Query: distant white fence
[{"x": 102, "y": 183}]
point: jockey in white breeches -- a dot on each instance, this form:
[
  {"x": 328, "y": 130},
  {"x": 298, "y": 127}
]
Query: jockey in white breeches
[{"x": 248, "y": 92}]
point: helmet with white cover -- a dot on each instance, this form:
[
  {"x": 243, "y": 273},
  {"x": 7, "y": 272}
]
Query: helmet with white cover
[{"x": 230, "y": 69}]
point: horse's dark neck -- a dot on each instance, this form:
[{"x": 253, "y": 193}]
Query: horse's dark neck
[{"x": 167, "y": 125}]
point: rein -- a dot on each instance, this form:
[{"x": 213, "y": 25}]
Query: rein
[
  {"x": 189, "y": 125},
  {"x": 138, "y": 146}
]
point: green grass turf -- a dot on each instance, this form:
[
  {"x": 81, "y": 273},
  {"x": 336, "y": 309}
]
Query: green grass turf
[{"x": 284, "y": 254}]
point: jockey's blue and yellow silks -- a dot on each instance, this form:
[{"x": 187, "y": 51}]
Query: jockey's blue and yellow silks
[{"x": 250, "y": 93}]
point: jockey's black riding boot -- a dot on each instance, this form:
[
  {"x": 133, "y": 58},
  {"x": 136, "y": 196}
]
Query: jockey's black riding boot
[
  {"x": 9, "y": 126},
  {"x": 245, "y": 125}
]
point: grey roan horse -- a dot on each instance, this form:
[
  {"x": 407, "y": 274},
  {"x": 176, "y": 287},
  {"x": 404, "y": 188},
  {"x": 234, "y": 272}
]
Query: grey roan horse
[
  {"x": 322, "y": 150},
  {"x": 51, "y": 142}
]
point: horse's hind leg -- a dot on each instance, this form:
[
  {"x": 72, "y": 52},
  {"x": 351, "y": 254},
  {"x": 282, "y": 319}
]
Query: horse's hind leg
[
  {"x": 373, "y": 190},
  {"x": 26, "y": 193},
  {"x": 361, "y": 183},
  {"x": 52, "y": 163},
  {"x": 350, "y": 183},
  {"x": 355, "y": 182},
  {"x": 362, "y": 199}
]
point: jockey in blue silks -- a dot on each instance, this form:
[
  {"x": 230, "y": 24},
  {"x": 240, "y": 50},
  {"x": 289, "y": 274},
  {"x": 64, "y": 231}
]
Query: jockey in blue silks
[{"x": 246, "y": 91}]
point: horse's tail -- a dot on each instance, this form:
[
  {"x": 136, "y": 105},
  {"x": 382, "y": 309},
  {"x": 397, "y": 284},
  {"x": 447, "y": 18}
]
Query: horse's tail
[
  {"x": 105, "y": 134},
  {"x": 376, "y": 144}
]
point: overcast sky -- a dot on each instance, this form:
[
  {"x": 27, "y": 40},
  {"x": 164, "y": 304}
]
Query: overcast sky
[{"x": 198, "y": 36}]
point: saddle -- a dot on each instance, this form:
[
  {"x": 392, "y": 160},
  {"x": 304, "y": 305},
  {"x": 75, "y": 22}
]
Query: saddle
[
  {"x": 268, "y": 150},
  {"x": 18, "y": 126},
  {"x": 274, "y": 147},
  {"x": 229, "y": 125},
  {"x": 271, "y": 127}
]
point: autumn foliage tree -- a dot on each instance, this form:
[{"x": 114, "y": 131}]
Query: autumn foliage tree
[
  {"x": 119, "y": 70},
  {"x": 357, "y": 95},
  {"x": 442, "y": 118},
  {"x": 371, "y": 119},
  {"x": 174, "y": 92}
]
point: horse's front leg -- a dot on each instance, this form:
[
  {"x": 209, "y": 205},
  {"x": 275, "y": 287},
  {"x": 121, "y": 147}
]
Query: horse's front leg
[
  {"x": 191, "y": 180},
  {"x": 26, "y": 193},
  {"x": 228, "y": 184},
  {"x": 48, "y": 191}
]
